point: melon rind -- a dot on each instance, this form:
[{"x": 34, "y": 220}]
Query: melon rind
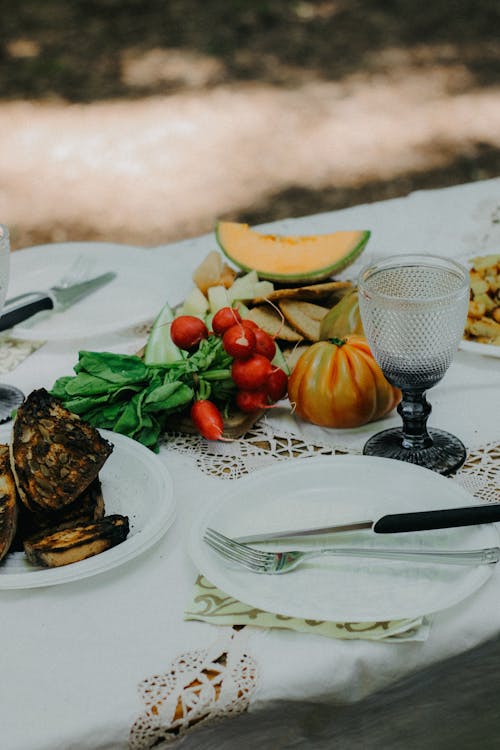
[{"x": 267, "y": 251}]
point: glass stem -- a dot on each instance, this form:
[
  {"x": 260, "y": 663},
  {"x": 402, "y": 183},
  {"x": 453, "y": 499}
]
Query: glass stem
[{"x": 414, "y": 410}]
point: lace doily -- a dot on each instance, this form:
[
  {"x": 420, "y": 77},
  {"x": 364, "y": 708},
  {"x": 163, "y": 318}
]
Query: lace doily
[
  {"x": 13, "y": 352},
  {"x": 259, "y": 447},
  {"x": 262, "y": 446},
  {"x": 197, "y": 686},
  {"x": 480, "y": 475}
]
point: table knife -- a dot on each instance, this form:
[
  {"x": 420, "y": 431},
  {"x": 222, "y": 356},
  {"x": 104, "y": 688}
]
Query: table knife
[
  {"x": 394, "y": 523},
  {"x": 23, "y": 306}
]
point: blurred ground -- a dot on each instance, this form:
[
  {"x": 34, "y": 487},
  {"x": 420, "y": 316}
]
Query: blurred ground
[{"x": 143, "y": 121}]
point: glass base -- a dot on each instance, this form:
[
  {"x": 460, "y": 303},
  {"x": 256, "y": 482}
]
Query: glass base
[
  {"x": 446, "y": 454},
  {"x": 10, "y": 399}
]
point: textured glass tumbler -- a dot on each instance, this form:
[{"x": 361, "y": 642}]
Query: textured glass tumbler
[
  {"x": 413, "y": 309},
  {"x": 10, "y": 397}
]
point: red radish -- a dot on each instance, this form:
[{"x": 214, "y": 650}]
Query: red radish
[
  {"x": 249, "y": 401},
  {"x": 239, "y": 341},
  {"x": 276, "y": 385},
  {"x": 251, "y": 324},
  {"x": 187, "y": 331},
  {"x": 264, "y": 344},
  {"x": 251, "y": 373},
  {"x": 207, "y": 419},
  {"x": 224, "y": 319}
]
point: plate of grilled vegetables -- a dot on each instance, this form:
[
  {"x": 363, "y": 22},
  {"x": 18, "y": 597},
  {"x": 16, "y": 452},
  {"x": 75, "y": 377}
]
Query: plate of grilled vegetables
[{"x": 74, "y": 501}]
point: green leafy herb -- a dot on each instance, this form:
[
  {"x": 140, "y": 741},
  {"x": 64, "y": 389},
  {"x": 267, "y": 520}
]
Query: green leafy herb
[{"x": 120, "y": 392}]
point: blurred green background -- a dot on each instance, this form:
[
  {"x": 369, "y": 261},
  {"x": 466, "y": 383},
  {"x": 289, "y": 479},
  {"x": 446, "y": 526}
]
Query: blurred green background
[{"x": 143, "y": 121}]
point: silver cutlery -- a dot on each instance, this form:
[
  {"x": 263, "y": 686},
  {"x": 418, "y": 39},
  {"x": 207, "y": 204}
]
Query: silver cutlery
[
  {"x": 273, "y": 563},
  {"x": 79, "y": 270},
  {"x": 59, "y": 297},
  {"x": 394, "y": 523}
]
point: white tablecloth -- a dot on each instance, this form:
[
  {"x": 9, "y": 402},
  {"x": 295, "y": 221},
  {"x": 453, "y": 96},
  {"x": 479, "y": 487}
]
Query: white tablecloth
[{"x": 74, "y": 655}]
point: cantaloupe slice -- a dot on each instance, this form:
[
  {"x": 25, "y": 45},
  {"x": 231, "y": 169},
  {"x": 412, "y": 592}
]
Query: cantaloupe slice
[{"x": 277, "y": 258}]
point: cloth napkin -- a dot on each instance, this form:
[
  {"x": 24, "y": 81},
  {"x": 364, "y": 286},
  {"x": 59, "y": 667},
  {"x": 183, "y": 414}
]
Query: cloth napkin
[{"x": 209, "y": 604}]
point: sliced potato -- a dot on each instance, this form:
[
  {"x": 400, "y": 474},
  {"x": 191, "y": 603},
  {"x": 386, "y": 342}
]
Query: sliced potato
[
  {"x": 485, "y": 327},
  {"x": 481, "y": 262},
  {"x": 483, "y": 318}
]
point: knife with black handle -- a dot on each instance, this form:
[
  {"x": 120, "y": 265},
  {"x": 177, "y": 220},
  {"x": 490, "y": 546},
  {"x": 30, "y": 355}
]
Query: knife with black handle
[
  {"x": 395, "y": 523},
  {"x": 24, "y": 306},
  {"x": 425, "y": 520}
]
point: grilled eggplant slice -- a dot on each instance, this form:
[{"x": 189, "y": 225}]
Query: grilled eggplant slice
[
  {"x": 69, "y": 545},
  {"x": 89, "y": 506},
  {"x": 55, "y": 455},
  {"x": 8, "y": 503}
]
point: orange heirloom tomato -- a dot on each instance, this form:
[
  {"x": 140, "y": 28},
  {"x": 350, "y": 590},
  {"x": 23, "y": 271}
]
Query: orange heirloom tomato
[{"x": 337, "y": 383}]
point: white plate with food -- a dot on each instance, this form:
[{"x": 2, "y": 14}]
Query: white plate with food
[
  {"x": 483, "y": 319},
  {"x": 136, "y": 484},
  {"x": 135, "y": 295},
  {"x": 323, "y": 491}
]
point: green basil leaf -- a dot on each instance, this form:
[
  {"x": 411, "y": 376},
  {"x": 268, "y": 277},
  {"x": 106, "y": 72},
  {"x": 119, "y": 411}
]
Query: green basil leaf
[
  {"x": 59, "y": 387},
  {"x": 83, "y": 404},
  {"x": 128, "y": 421},
  {"x": 84, "y": 384},
  {"x": 116, "y": 368},
  {"x": 168, "y": 397}
]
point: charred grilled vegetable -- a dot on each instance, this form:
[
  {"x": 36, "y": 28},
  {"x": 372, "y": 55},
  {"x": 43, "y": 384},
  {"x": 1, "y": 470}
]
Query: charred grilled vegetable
[
  {"x": 55, "y": 455},
  {"x": 8, "y": 503},
  {"x": 89, "y": 506},
  {"x": 77, "y": 542}
]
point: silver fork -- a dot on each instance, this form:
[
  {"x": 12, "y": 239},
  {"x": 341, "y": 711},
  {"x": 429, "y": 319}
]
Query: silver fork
[
  {"x": 273, "y": 563},
  {"x": 78, "y": 271}
]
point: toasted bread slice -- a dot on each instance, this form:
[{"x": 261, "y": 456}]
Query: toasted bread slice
[
  {"x": 8, "y": 502},
  {"x": 326, "y": 293},
  {"x": 313, "y": 311},
  {"x": 271, "y": 322},
  {"x": 77, "y": 542},
  {"x": 54, "y": 454},
  {"x": 296, "y": 314}
]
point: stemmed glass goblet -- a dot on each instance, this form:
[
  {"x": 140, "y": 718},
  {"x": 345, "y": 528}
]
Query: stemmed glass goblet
[
  {"x": 10, "y": 397},
  {"x": 413, "y": 309}
]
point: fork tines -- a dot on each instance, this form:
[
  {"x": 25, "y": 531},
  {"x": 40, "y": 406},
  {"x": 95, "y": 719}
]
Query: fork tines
[{"x": 250, "y": 557}]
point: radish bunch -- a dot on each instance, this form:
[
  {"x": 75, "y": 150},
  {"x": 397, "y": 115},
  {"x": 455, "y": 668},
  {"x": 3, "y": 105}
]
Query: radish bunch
[{"x": 259, "y": 383}]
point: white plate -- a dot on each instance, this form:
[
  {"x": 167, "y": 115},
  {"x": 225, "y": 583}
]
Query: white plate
[
  {"x": 135, "y": 483},
  {"x": 320, "y": 491},
  {"x": 135, "y": 296},
  {"x": 485, "y": 350}
]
